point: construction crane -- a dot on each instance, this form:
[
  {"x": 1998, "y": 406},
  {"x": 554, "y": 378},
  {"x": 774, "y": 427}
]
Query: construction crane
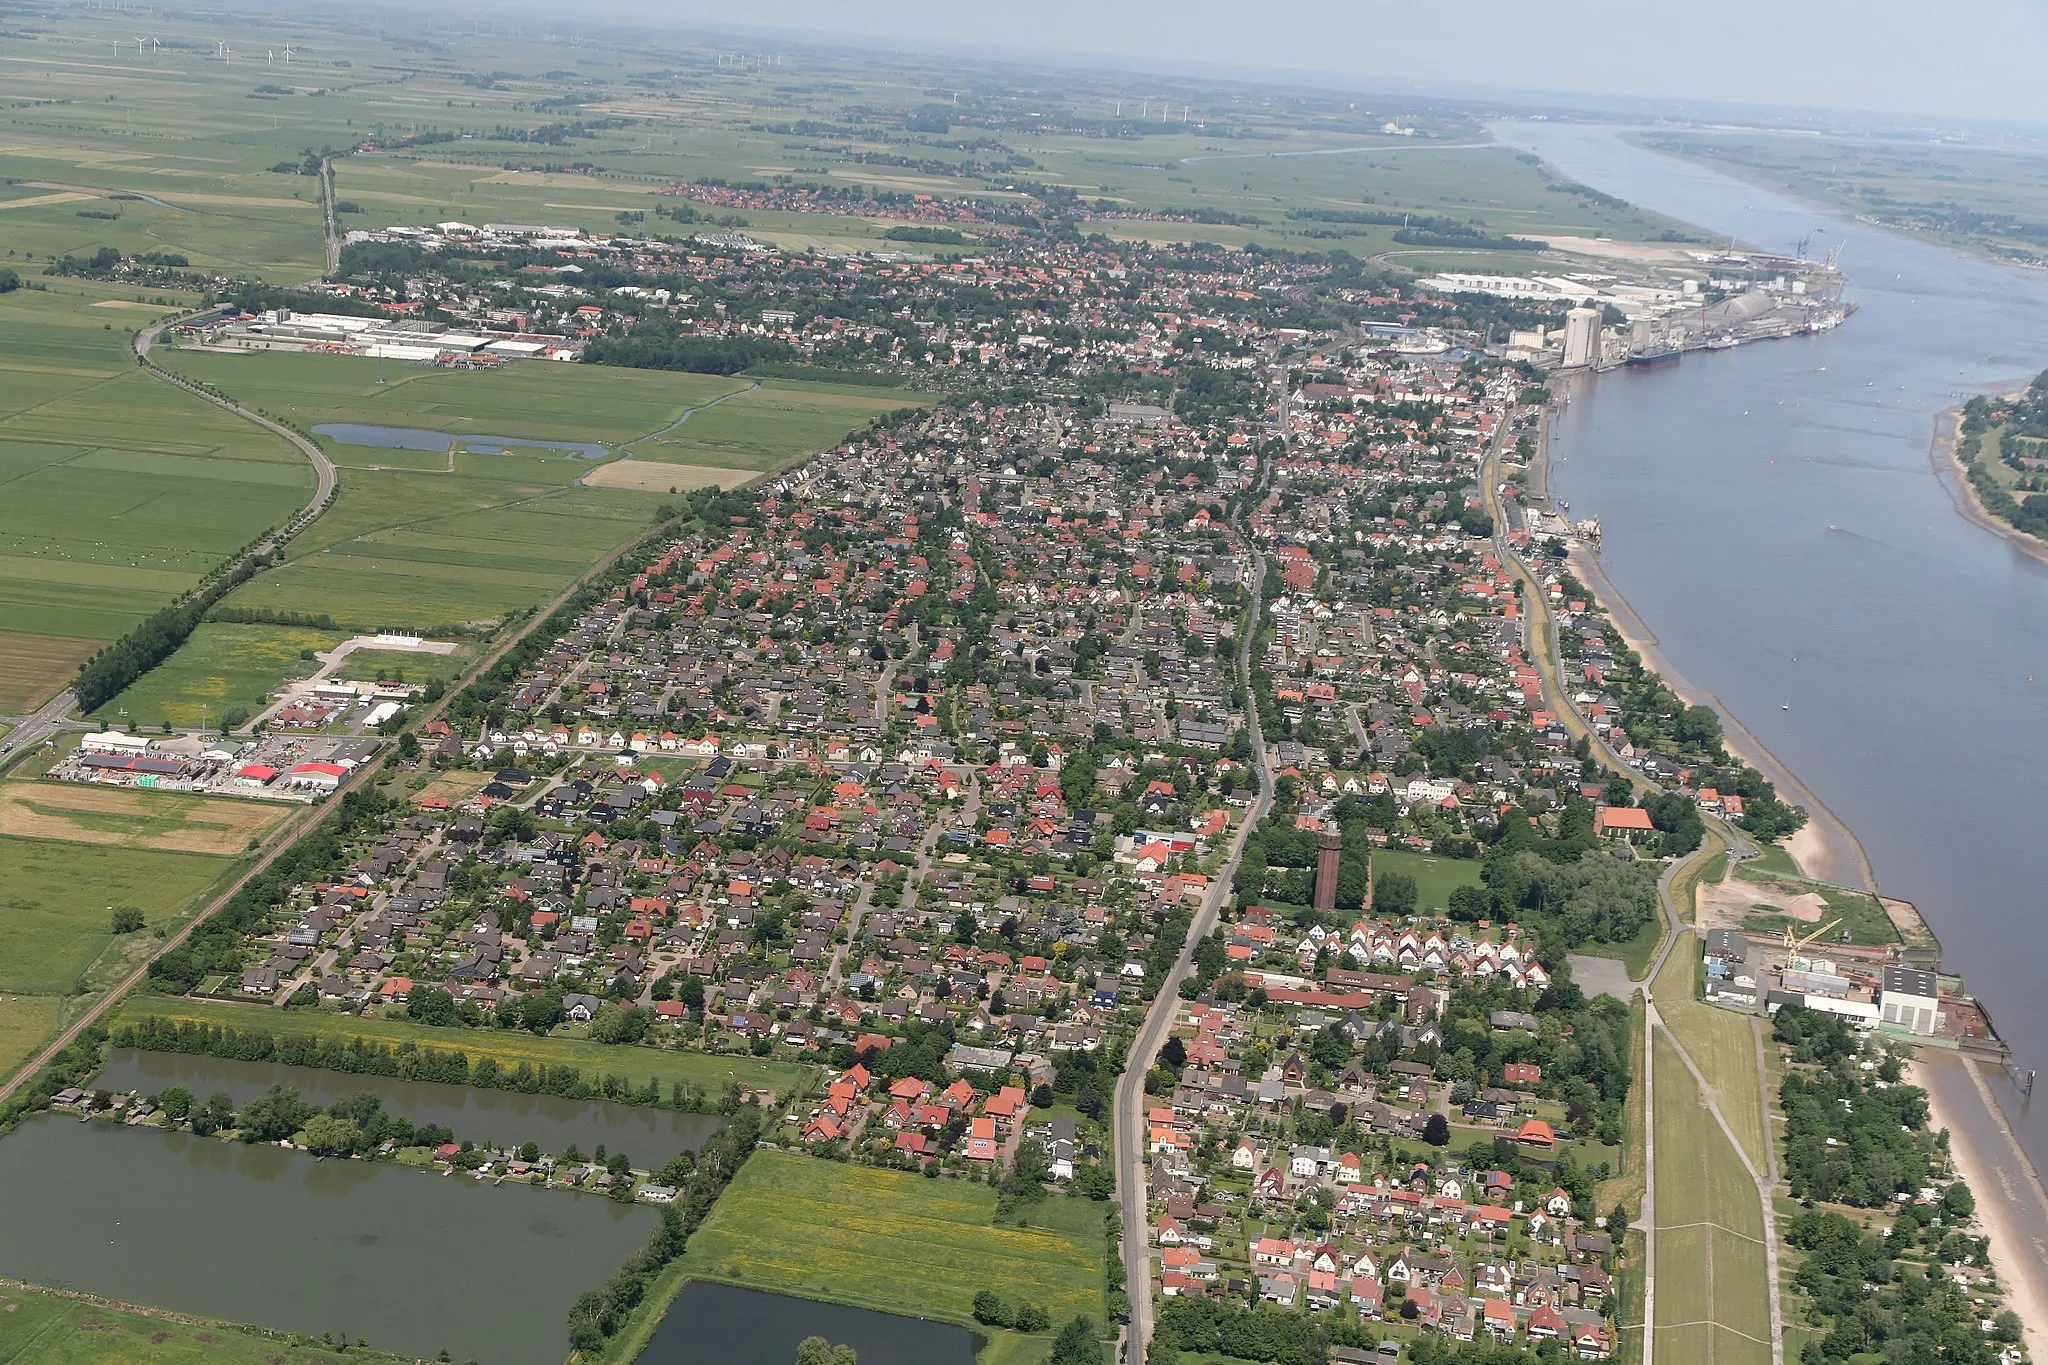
[
  {"x": 1799, "y": 247},
  {"x": 1793, "y": 944}
]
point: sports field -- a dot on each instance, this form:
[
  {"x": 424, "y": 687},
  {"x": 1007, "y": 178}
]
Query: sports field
[
  {"x": 895, "y": 1241},
  {"x": 1435, "y": 878},
  {"x": 222, "y": 665},
  {"x": 117, "y": 492},
  {"x": 508, "y": 1048},
  {"x": 1712, "y": 1282},
  {"x": 173, "y": 822}
]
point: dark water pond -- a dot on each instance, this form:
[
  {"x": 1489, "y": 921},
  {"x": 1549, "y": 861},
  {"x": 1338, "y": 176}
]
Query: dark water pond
[
  {"x": 420, "y": 438},
  {"x": 412, "y": 1262},
  {"x": 500, "y": 1118},
  {"x": 717, "y": 1324}
]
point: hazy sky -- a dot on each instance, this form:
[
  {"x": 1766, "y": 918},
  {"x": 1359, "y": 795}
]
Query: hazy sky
[{"x": 1967, "y": 58}]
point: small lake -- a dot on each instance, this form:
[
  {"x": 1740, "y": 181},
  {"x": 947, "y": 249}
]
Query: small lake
[
  {"x": 719, "y": 1323},
  {"x": 498, "y": 1118},
  {"x": 419, "y": 438},
  {"x": 412, "y": 1262}
]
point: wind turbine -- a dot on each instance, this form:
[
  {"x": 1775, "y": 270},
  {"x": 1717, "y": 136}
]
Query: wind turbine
[
  {"x": 228, "y": 53},
  {"x": 139, "y": 41},
  {"x": 287, "y": 54},
  {"x": 269, "y": 57}
]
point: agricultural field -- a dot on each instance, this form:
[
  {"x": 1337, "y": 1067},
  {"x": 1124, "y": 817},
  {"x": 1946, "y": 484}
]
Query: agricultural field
[
  {"x": 1713, "y": 1286},
  {"x": 223, "y": 665},
  {"x": 56, "y": 919},
  {"x": 124, "y": 817},
  {"x": 1435, "y": 878},
  {"x": 507, "y": 1048},
  {"x": 56, "y": 900},
  {"x": 534, "y": 399},
  {"x": 894, "y": 1241},
  {"x": 42, "y": 1327},
  {"x": 117, "y": 491}
]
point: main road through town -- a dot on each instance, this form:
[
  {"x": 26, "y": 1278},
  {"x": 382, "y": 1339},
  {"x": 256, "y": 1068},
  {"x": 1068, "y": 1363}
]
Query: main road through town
[{"x": 1130, "y": 1089}]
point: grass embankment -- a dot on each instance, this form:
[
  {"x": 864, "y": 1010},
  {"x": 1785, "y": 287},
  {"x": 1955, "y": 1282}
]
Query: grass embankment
[
  {"x": 42, "y": 1327},
  {"x": 1722, "y": 1043},
  {"x": 506, "y": 1047},
  {"x": 1712, "y": 1300},
  {"x": 900, "y": 1243}
]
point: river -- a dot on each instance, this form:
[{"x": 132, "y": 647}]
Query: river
[
  {"x": 411, "y": 1261},
  {"x": 1771, "y": 512},
  {"x": 499, "y": 1118}
]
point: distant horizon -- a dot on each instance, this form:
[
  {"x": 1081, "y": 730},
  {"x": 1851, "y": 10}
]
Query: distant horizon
[{"x": 1880, "y": 59}]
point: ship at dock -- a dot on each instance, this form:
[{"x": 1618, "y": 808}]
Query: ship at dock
[{"x": 1653, "y": 357}]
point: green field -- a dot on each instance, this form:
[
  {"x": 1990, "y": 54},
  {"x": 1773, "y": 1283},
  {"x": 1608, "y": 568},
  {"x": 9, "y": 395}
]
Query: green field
[
  {"x": 535, "y": 399},
  {"x": 117, "y": 491},
  {"x": 39, "y": 1327},
  {"x": 506, "y": 1047},
  {"x": 221, "y": 665},
  {"x": 403, "y": 665},
  {"x": 1712, "y": 1282},
  {"x": 55, "y": 901},
  {"x": 765, "y": 427},
  {"x": 1435, "y": 878},
  {"x": 56, "y": 904},
  {"x": 894, "y": 1241}
]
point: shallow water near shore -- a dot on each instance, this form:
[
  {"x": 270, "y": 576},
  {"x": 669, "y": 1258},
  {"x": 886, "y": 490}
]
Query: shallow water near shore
[{"x": 1773, "y": 514}]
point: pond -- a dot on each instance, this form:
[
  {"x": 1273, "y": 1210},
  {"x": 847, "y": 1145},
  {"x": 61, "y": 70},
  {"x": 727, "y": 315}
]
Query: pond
[
  {"x": 497, "y": 1118},
  {"x": 420, "y": 438},
  {"x": 718, "y": 1323},
  {"x": 412, "y": 1262}
]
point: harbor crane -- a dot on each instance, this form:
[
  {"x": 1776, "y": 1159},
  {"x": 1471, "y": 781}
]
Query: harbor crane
[{"x": 1794, "y": 943}]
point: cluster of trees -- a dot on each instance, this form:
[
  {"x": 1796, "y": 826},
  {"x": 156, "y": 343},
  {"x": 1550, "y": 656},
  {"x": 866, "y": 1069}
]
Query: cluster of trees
[
  {"x": 599, "y": 1313},
  {"x": 1848, "y": 1141},
  {"x": 1261, "y": 1333},
  {"x": 355, "y": 1124},
  {"x": 993, "y": 1310},
  {"x": 1588, "y": 898},
  {"x": 1874, "y": 1306},
  {"x": 936, "y": 235},
  {"x": 657, "y": 344},
  {"x": 408, "y": 1061}
]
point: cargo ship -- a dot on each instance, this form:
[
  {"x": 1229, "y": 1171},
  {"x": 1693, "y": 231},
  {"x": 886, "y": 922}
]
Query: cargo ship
[{"x": 1654, "y": 358}]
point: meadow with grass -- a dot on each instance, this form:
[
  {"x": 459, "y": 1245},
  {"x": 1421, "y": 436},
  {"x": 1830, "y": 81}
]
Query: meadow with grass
[
  {"x": 896, "y": 1241},
  {"x": 45, "y": 1327},
  {"x": 223, "y": 666}
]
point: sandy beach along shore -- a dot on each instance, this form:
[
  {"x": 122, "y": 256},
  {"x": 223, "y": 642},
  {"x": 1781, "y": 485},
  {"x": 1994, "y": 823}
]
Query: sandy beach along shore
[
  {"x": 1946, "y": 457},
  {"x": 2006, "y": 1194}
]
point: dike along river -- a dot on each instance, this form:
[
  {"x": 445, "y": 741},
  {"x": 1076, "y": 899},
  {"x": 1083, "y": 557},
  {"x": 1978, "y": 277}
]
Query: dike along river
[
  {"x": 413, "y": 1262},
  {"x": 1771, "y": 512},
  {"x": 500, "y": 1118}
]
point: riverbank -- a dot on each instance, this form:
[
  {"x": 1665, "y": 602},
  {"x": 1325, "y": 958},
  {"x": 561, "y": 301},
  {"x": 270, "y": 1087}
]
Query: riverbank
[
  {"x": 1944, "y": 454},
  {"x": 2018, "y": 1259}
]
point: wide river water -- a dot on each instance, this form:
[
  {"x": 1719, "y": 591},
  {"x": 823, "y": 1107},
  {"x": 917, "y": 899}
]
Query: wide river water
[
  {"x": 412, "y": 1261},
  {"x": 490, "y": 1118},
  {"x": 1772, "y": 514}
]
